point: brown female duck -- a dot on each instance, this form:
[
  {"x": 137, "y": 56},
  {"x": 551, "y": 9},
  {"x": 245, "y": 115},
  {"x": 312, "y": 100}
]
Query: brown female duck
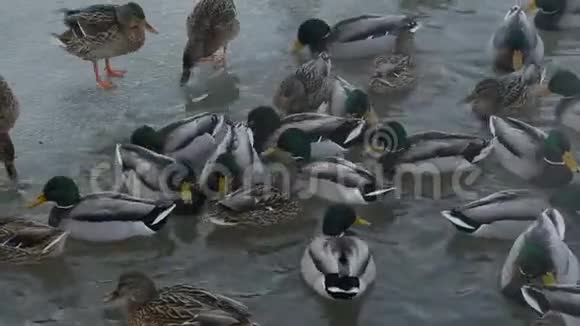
[
  {"x": 103, "y": 32},
  {"x": 9, "y": 111}
]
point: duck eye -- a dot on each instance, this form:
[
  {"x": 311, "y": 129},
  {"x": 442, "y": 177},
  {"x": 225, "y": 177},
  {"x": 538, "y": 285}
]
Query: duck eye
[{"x": 515, "y": 8}]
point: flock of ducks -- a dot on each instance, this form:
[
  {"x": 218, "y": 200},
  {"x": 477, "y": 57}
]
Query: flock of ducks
[{"x": 249, "y": 174}]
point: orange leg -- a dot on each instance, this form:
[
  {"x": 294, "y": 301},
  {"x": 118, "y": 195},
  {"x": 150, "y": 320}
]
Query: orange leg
[
  {"x": 103, "y": 83},
  {"x": 112, "y": 72}
]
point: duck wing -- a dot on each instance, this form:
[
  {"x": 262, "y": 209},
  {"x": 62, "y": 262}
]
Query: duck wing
[
  {"x": 179, "y": 134},
  {"x": 109, "y": 206},
  {"x": 433, "y": 144},
  {"x": 319, "y": 125},
  {"x": 520, "y": 138},
  {"x": 560, "y": 298},
  {"x": 345, "y": 256},
  {"x": 367, "y": 26},
  {"x": 91, "y": 21},
  {"x": 338, "y": 170}
]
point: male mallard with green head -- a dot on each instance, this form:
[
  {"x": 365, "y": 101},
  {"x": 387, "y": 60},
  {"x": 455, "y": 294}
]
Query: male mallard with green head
[
  {"x": 23, "y": 241},
  {"x": 9, "y": 112},
  {"x": 506, "y": 94},
  {"x": 352, "y": 38},
  {"x": 181, "y": 304},
  {"x": 101, "y": 217},
  {"x": 539, "y": 255},
  {"x": 337, "y": 264},
  {"x": 104, "y": 32},
  {"x": 211, "y": 26},
  {"x": 555, "y": 14},
  {"x": 566, "y": 84},
  {"x": 558, "y": 305},
  {"x": 542, "y": 158},
  {"x": 399, "y": 153},
  {"x": 516, "y": 42}
]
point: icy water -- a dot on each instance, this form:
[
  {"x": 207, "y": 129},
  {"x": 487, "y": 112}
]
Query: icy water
[{"x": 427, "y": 275}]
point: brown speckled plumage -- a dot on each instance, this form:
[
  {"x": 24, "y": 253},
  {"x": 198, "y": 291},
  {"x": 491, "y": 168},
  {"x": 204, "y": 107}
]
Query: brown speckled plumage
[
  {"x": 507, "y": 93},
  {"x": 24, "y": 241},
  {"x": 306, "y": 88},
  {"x": 100, "y": 32},
  {"x": 211, "y": 26},
  {"x": 177, "y": 305},
  {"x": 259, "y": 206},
  {"x": 9, "y": 112}
]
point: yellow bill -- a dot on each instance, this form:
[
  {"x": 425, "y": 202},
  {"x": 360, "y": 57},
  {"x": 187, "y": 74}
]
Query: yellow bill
[
  {"x": 570, "y": 161},
  {"x": 542, "y": 91},
  {"x": 361, "y": 221},
  {"x": 371, "y": 117},
  {"x": 548, "y": 279},
  {"x": 185, "y": 192},
  {"x": 531, "y": 6},
  {"x": 40, "y": 199},
  {"x": 518, "y": 60},
  {"x": 111, "y": 297},
  {"x": 150, "y": 28},
  {"x": 222, "y": 185},
  {"x": 297, "y": 46}
]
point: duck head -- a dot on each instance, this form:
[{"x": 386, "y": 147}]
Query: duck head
[
  {"x": 61, "y": 190},
  {"x": 387, "y": 142},
  {"x": 313, "y": 33},
  {"x": 134, "y": 290},
  {"x": 133, "y": 16},
  {"x": 557, "y": 151},
  {"x": 535, "y": 264},
  {"x": 293, "y": 145},
  {"x": 263, "y": 121},
  {"x": 226, "y": 175},
  {"x": 338, "y": 218},
  {"x": 146, "y": 137},
  {"x": 549, "y": 12},
  {"x": 358, "y": 106},
  {"x": 564, "y": 83}
]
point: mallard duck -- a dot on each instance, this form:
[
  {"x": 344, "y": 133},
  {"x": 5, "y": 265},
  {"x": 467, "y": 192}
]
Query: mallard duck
[
  {"x": 307, "y": 88},
  {"x": 516, "y": 42},
  {"x": 103, "y": 32},
  {"x": 348, "y": 101},
  {"x": 541, "y": 158},
  {"x": 557, "y": 303},
  {"x": 539, "y": 254},
  {"x": 555, "y": 14},
  {"x": 506, "y": 94},
  {"x": 23, "y": 241},
  {"x": 337, "y": 264},
  {"x": 356, "y": 37},
  {"x": 504, "y": 214},
  {"x": 267, "y": 126},
  {"x": 192, "y": 139},
  {"x": 395, "y": 72},
  {"x": 332, "y": 178},
  {"x": 259, "y": 205},
  {"x": 566, "y": 84},
  {"x": 234, "y": 163},
  {"x": 175, "y": 305},
  {"x": 400, "y": 153},
  {"x": 146, "y": 174},
  {"x": 101, "y": 217},
  {"x": 211, "y": 26},
  {"x": 9, "y": 112}
]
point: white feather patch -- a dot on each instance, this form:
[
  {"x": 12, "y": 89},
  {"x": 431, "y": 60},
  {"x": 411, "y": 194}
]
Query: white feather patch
[
  {"x": 447, "y": 214},
  {"x": 164, "y": 214}
]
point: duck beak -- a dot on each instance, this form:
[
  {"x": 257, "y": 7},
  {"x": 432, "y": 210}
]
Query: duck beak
[
  {"x": 542, "y": 91},
  {"x": 150, "y": 28},
  {"x": 41, "y": 198},
  {"x": 531, "y": 6},
  {"x": 271, "y": 152},
  {"x": 185, "y": 192},
  {"x": 570, "y": 161},
  {"x": 548, "y": 279},
  {"x": 517, "y": 60},
  {"x": 371, "y": 117},
  {"x": 221, "y": 185},
  {"x": 297, "y": 46},
  {"x": 110, "y": 297},
  {"x": 361, "y": 221}
]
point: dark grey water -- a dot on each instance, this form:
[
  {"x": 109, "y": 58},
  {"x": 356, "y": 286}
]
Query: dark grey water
[{"x": 426, "y": 274}]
